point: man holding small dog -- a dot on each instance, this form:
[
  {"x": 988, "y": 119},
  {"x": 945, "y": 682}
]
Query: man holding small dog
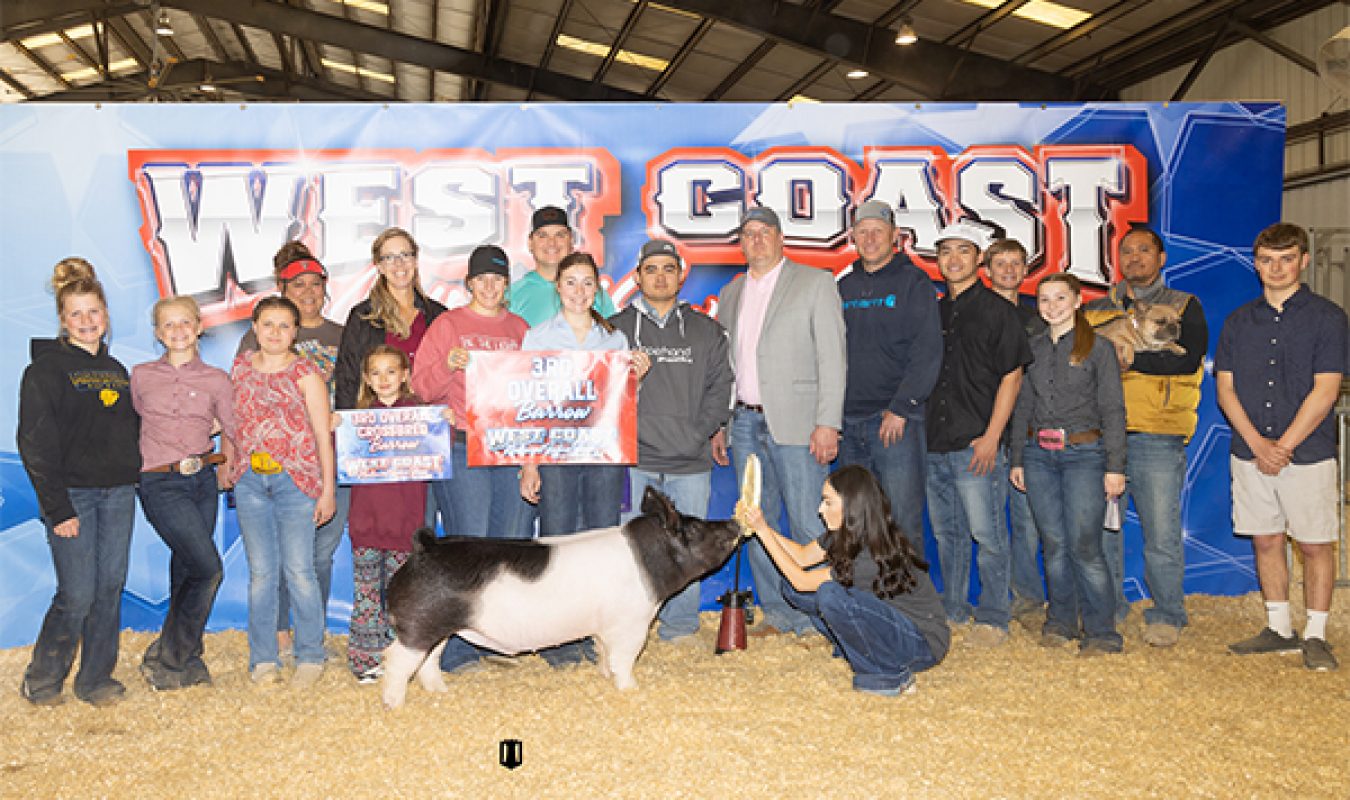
[
  {"x": 1162, "y": 392},
  {"x": 1278, "y": 371}
]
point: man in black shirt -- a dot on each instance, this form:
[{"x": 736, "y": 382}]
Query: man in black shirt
[{"x": 983, "y": 352}]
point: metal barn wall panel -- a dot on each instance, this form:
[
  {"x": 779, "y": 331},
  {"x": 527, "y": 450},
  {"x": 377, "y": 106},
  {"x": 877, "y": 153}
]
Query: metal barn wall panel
[{"x": 1250, "y": 71}]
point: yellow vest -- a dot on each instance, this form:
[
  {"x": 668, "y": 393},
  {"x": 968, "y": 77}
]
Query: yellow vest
[{"x": 1153, "y": 403}]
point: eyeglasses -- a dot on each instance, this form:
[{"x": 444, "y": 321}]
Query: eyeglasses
[{"x": 394, "y": 258}]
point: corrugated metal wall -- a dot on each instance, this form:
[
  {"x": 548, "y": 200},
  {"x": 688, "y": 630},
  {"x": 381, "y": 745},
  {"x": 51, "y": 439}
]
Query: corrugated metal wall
[{"x": 1249, "y": 71}]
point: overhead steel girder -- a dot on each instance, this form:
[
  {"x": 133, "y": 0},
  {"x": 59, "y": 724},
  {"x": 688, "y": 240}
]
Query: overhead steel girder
[
  {"x": 303, "y": 23},
  {"x": 399, "y": 47},
  {"x": 236, "y": 76},
  {"x": 935, "y": 70}
]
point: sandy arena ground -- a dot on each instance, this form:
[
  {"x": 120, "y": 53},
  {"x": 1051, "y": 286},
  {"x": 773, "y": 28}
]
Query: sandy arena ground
[{"x": 776, "y": 721}]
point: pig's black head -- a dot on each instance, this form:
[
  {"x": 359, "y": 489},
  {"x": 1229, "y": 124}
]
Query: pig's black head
[{"x": 675, "y": 548}]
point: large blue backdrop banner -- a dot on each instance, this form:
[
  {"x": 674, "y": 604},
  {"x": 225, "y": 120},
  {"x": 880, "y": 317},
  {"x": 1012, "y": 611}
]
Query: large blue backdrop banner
[{"x": 194, "y": 199}]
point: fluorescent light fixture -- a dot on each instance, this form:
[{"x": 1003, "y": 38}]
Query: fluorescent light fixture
[
  {"x": 364, "y": 5},
  {"x": 1046, "y": 12},
  {"x": 359, "y": 72},
  {"x": 676, "y": 11},
  {"x": 602, "y": 50},
  {"x": 857, "y": 74},
  {"x": 906, "y": 35},
  {"x": 48, "y": 39},
  {"x": 122, "y": 65},
  {"x": 801, "y": 98},
  {"x": 162, "y": 26}
]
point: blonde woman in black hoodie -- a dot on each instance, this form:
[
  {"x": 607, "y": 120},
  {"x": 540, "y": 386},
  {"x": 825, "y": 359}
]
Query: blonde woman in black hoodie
[{"x": 79, "y": 440}]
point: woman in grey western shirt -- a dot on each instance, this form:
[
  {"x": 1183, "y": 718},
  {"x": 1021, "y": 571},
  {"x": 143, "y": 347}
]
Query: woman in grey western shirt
[{"x": 1068, "y": 455}]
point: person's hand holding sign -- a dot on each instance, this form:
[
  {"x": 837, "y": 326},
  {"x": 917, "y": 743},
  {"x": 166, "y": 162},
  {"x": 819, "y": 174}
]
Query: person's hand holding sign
[
  {"x": 458, "y": 358},
  {"x": 641, "y": 363}
]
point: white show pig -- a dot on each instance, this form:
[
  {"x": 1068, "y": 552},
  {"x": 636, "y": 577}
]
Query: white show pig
[{"x": 514, "y": 596}]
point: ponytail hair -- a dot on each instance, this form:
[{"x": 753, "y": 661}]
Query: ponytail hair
[
  {"x": 1083, "y": 334},
  {"x": 579, "y": 258}
]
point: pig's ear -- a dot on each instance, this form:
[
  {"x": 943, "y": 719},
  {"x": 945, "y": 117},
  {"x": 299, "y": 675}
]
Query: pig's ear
[{"x": 658, "y": 505}]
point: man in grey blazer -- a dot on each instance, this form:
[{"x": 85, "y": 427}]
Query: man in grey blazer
[{"x": 786, "y": 330}]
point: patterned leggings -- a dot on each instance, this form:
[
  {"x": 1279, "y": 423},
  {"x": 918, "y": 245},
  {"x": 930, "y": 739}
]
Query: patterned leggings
[{"x": 370, "y": 632}]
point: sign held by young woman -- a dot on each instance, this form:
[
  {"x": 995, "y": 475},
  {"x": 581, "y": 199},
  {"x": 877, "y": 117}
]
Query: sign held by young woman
[{"x": 551, "y": 407}]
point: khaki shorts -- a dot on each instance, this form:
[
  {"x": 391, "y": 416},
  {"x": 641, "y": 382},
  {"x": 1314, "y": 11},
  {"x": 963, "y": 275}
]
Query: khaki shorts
[{"x": 1301, "y": 500}]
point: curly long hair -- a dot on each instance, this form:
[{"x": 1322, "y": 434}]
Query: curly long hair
[{"x": 867, "y": 523}]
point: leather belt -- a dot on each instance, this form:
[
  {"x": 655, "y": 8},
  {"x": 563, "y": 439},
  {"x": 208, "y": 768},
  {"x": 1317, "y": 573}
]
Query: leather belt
[
  {"x": 750, "y": 407},
  {"x": 190, "y": 465},
  {"x": 1082, "y": 437}
]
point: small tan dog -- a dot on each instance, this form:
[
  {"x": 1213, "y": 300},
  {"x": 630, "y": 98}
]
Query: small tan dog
[{"x": 1145, "y": 328}]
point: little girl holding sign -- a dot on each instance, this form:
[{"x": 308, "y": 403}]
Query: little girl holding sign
[{"x": 382, "y": 521}]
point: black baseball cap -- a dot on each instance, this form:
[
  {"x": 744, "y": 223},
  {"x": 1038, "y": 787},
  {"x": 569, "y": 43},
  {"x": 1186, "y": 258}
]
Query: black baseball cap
[
  {"x": 489, "y": 259},
  {"x": 549, "y": 215}
]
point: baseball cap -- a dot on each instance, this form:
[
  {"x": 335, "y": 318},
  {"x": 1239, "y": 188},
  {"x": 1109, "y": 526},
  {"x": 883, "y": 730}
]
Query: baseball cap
[
  {"x": 549, "y": 215},
  {"x": 966, "y": 230},
  {"x": 301, "y": 266},
  {"x": 489, "y": 259},
  {"x": 874, "y": 209},
  {"x": 762, "y": 214},
  {"x": 659, "y": 247}
]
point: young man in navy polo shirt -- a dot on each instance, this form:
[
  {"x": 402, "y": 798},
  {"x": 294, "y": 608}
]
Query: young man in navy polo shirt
[{"x": 1278, "y": 370}]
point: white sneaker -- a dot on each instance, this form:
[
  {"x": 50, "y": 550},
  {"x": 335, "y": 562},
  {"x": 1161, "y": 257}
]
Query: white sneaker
[{"x": 370, "y": 676}]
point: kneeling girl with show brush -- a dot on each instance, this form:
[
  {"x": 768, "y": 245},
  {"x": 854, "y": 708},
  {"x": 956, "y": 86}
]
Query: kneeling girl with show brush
[{"x": 862, "y": 584}]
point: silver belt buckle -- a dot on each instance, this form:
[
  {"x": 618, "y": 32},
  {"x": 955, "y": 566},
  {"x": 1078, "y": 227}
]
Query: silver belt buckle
[{"x": 190, "y": 466}]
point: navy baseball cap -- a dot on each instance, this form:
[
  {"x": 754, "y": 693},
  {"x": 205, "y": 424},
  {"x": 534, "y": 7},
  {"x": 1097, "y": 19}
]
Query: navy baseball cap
[{"x": 549, "y": 215}]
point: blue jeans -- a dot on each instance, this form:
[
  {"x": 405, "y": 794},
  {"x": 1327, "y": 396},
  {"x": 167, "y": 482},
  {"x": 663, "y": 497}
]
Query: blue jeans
[
  {"x": 276, "y": 522},
  {"x": 899, "y": 468},
  {"x": 182, "y": 509},
  {"x": 964, "y": 506},
  {"x": 1068, "y": 501},
  {"x": 579, "y": 497},
  {"x": 1156, "y": 473},
  {"x": 86, "y": 613},
  {"x": 690, "y": 494},
  {"x": 791, "y": 477},
  {"x": 883, "y": 647},
  {"x": 481, "y": 501},
  {"x": 327, "y": 538},
  {"x": 1025, "y": 544}
]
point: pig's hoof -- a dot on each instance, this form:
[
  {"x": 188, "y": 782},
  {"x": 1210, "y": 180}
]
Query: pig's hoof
[
  {"x": 433, "y": 684},
  {"x": 625, "y": 683},
  {"x": 392, "y": 702}
]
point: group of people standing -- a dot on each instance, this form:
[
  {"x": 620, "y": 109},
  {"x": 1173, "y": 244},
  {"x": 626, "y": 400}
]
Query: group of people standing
[{"x": 970, "y": 404}]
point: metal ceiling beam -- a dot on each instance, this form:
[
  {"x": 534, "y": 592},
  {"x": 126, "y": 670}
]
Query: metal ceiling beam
[
  {"x": 805, "y": 81},
  {"x": 243, "y": 43},
  {"x": 1146, "y": 38},
  {"x": 130, "y": 41},
  {"x": 22, "y": 18},
  {"x": 983, "y": 22},
  {"x": 629, "y": 23},
  {"x": 701, "y": 30},
  {"x": 14, "y": 84},
  {"x": 235, "y": 76},
  {"x": 1274, "y": 46},
  {"x": 1065, "y": 38},
  {"x": 1147, "y": 55},
  {"x": 552, "y": 44},
  {"x": 748, "y": 63},
  {"x": 926, "y": 66},
  {"x": 338, "y": 32},
  {"x": 1199, "y": 66},
  {"x": 494, "y": 18},
  {"x": 212, "y": 40},
  {"x": 41, "y": 63}
]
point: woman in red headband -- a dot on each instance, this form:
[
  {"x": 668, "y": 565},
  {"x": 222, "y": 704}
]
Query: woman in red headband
[{"x": 304, "y": 281}]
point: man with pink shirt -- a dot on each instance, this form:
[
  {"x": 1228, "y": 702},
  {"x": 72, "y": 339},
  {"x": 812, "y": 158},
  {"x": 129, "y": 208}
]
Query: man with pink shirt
[{"x": 786, "y": 329}]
